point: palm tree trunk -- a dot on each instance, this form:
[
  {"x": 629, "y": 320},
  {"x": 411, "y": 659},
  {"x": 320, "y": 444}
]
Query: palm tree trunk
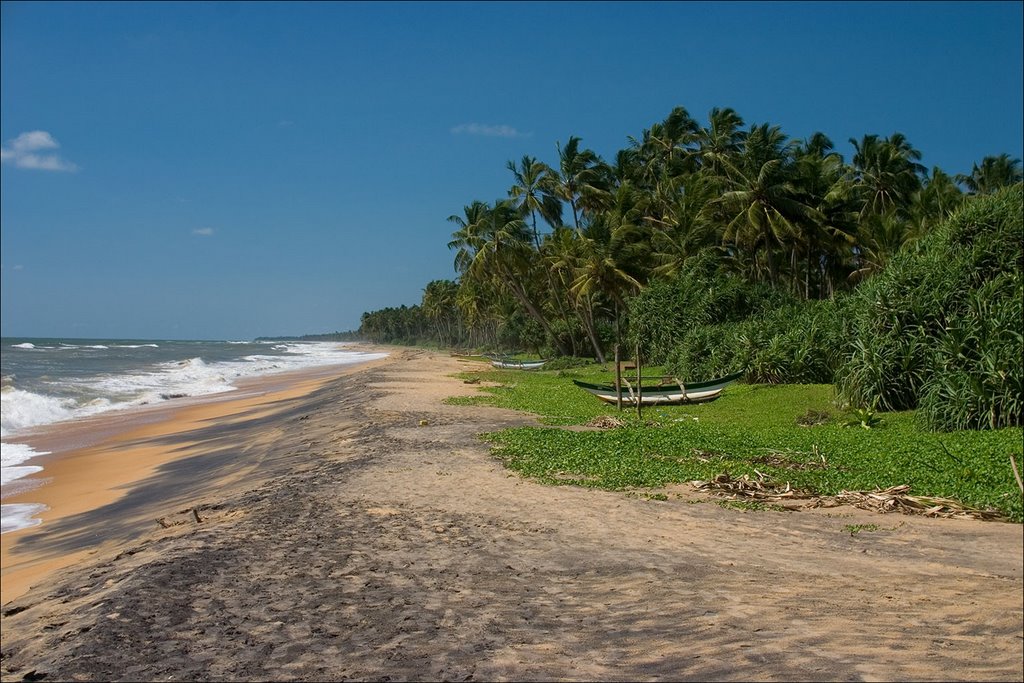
[
  {"x": 520, "y": 293},
  {"x": 587, "y": 316}
]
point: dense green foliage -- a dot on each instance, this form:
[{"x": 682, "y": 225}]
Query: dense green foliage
[
  {"x": 801, "y": 343},
  {"x": 793, "y": 433},
  {"x": 941, "y": 328},
  {"x": 712, "y": 245}
]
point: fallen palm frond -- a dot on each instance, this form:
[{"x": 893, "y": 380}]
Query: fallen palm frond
[
  {"x": 897, "y": 499},
  {"x": 892, "y": 499}
]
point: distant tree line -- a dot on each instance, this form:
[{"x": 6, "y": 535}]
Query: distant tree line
[{"x": 327, "y": 336}]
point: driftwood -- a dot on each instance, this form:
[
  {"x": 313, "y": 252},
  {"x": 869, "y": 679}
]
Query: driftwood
[{"x": 892, "y": 499}]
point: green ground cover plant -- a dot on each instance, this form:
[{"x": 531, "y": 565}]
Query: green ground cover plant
[{"x": 751, "y": 428}]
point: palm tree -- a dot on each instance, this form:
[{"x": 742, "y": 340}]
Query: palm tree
[
  {"x": 934, "y": 202},
  {"x": 763, "y": 209},
  {"x": 827, "y": 239},
  {"x": 531, "y": 193},
  {"x": 885, "y": 173},
  {"x": 497, "y": 247},
  {"x": 469, "y": 238},
  {"x": 662, "y": 149},
  {"x": 992, "y": 174},
  {"x": 439, "y": 305},
  {"x": 678, "y": 227},
  {"x": 580, "y": 179},
  {"x": 722, "y": 138}
]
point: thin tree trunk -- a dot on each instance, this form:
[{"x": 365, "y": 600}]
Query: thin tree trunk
[
  {"x": 520, "y": 293},
  {"x": 588, "y": 322}
]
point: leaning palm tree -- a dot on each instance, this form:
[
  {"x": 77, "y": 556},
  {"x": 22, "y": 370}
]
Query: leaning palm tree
[
  {"x": 470, "y": 237},
  {"x": 498, "y": 249}
]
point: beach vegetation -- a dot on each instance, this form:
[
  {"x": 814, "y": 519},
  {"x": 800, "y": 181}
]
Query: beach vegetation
[
  {"x": 750, "y": 429},
  {"x": 717, "y": 247}
]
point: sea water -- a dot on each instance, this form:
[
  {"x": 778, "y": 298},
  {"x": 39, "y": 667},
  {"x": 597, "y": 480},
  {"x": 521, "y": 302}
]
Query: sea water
[{"x": 49, "y": 381}]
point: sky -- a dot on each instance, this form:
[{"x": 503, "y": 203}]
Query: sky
[{"x": 231, "y": 170}]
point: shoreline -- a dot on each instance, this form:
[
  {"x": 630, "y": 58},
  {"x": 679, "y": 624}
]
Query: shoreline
[
  {"x": 376, "y": 535},
  {"x": 92, "y": 462},
  {"x": 55, "y": 439}
]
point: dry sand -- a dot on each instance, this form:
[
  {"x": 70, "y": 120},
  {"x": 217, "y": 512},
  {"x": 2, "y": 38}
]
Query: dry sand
[{"x": 362, "y": 531}]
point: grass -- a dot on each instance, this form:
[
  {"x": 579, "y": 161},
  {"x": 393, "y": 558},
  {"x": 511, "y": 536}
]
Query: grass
[{"x": 751, "y": 427}]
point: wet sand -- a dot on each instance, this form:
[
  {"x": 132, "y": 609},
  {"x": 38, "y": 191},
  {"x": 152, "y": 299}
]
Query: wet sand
[
  {"x": 358, "y": 529},
  {"x": 92, "y": 464}
]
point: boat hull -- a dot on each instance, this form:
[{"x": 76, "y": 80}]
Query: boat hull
[
  {"x": 697, "y": 392},
  {"x": 516, "y": 365}
]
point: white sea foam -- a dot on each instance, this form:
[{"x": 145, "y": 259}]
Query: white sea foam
[
  {"x": 132, "y": 346},
  {"x": 26, "y": 345},
  {"x": 21, "y": 410},
  {"x": 12, "y": 454},
  {"x": 19, "y": 516},
  {"x": 9, "y": 474}
]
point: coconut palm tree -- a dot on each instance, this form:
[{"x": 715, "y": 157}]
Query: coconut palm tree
[
  {"x": 885, "y": 173},
  {"x": 722, "y": 138},
  {"x": 934, "y": 202},
  {"x": 826, "y": 240},
  {"x": 581, "y": 179},
  {"x": 992, "y": 174},
  {"x": 497, "y": 247},
  {"x": 531, "y": 194},
  {"x": 763, "y": 210},
  {"x": 439, "y": 305}
]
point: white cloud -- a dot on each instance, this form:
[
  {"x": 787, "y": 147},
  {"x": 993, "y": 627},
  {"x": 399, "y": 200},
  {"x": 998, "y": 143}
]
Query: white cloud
[
  {"x": 23, "y": 152},
  {"x": 500, "y": 131},
  {"x": 204, "y": 232}
]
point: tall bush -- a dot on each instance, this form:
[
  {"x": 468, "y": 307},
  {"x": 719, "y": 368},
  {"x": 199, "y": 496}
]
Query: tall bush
[
  {"x": 940, "y": 328},
  {"x": 667, "y": 312}
]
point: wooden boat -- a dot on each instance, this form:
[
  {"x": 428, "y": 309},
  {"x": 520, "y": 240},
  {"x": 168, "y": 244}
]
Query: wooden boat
[
  {"x": 510, "y": 364},
  {"x": 688, "y": 392}
]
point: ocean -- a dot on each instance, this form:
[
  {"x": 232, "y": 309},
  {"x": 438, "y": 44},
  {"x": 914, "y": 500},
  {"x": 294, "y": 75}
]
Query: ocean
[{"x": 50, "y": 381}]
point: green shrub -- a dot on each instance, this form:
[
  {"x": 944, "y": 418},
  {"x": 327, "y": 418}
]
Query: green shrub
[
  {"x": 666, "y": 312},
  {"x": 801, "y": 343},
  {"x": 940, "y": 328}
]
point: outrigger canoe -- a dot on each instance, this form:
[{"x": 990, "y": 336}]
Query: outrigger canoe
[
  {"x": 518, "y": 364},
  {"x": 688, "y": 392}
]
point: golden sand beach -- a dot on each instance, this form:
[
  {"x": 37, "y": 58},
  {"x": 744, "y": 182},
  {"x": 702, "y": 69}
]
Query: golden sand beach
[{"x": 353, "y": 526}]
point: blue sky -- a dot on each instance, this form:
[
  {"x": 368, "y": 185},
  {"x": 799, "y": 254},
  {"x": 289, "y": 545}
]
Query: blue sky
[{"x": 229, "y": 170}]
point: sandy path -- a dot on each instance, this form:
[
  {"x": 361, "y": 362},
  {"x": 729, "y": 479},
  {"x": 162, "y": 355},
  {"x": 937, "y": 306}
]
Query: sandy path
[{"x": 377, "y": 547}]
